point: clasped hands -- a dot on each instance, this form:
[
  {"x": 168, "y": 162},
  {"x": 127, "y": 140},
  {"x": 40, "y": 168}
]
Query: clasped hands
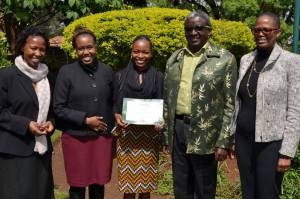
[{"x": 39, "y": 129}]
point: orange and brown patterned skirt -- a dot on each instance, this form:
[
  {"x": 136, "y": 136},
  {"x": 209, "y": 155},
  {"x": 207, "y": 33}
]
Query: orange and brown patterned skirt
[{"x": 137, "y": 153}]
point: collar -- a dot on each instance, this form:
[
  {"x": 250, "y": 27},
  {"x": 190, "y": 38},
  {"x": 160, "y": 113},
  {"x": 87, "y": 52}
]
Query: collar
[{"x": 197, "y": 54}]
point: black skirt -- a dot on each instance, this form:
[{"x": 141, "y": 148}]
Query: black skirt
[{"x": 26, "y": 177}]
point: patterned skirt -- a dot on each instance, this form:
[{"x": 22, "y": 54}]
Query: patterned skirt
[{"x": 137, "y": 153}]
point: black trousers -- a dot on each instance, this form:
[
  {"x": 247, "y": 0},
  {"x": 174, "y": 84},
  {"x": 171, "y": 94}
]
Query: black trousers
[
  {"x": 257, "y": 164},
  {"x": 95, "y": 192},
  {"x": 194, "y": 176}
]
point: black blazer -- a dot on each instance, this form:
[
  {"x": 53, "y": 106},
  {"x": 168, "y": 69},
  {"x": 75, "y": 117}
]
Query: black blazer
[
  {"x": 80, "y": 93},
  {"x": 19, "y": 106}
]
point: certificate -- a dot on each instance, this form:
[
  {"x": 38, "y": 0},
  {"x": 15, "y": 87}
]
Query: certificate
[{"x": 142, "y": 111}]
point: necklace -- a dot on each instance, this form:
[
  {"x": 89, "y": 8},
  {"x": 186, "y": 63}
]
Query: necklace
[{"x": 253, "y": 68}]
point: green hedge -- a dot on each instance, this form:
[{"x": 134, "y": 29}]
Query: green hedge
[
  {"x": 4, "y": 52},
  {"x": 115, "y": 31}
]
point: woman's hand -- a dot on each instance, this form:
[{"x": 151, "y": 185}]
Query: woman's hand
[
  {"x": 284, "y": 164},
  {"x": 35, "y": 129},
  {"x": 47, "y": 126},
  {"x": 120, "y": 121},
  {"x": 159, "y": 126},
  {"x": 96, "y": 123}
]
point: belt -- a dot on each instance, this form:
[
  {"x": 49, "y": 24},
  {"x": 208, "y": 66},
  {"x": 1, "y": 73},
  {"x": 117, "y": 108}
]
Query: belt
[{"x": 186, "y": 119}]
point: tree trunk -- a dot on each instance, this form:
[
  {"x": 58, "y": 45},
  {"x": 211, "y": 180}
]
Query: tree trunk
[
  {"x": 11, "y": 29},
  {"x": 136, "y": 3}
]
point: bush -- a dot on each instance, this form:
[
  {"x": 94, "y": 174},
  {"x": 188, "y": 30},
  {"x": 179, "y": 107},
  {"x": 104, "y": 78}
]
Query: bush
[
  {"x": 4, "y": 52},
  {"x": 291, "y": 180},
  {"x": 115, "y": 31}
]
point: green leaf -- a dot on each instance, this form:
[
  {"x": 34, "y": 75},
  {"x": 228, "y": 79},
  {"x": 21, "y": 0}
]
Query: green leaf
[
  {"x": 8, "y": 2},
  {"x": 22, "y": 15},
  {"x": 72, "y": 15},
  {"x": 71, "y": 2}
]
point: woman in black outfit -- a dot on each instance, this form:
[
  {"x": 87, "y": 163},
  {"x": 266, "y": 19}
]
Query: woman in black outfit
[
  {"x": 83, "y": 106},
  {"x": 267, "y": 112},
  {"x": 26, "y": 122},
  {"x": 138, "y": 146}
]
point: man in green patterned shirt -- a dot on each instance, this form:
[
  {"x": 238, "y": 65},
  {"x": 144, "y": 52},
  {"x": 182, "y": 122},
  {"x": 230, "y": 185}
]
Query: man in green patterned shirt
[{"x": 199, "y": 95}]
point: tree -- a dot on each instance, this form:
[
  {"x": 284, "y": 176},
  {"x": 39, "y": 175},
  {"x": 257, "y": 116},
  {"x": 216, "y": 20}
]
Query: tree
[
  {"x": 241, "y": 10},
  {"x": 246, "y": 9},
  {"x": 17, "y": 14}
]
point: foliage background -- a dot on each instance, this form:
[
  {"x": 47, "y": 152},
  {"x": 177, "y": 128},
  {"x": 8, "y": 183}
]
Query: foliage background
[
  {"x": 115, "y": 31},
  {"x": 4, "y": 51}
]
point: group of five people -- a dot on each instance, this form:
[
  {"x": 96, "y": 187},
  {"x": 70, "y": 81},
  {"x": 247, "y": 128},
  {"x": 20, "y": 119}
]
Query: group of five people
[{"x": 212, "y": 110}]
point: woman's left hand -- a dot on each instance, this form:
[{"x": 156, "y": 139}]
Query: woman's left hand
[
  {"x": 284, "y": 164},
  {"x": 159, "y": 126},
  {"x": 47, "y": 127}
]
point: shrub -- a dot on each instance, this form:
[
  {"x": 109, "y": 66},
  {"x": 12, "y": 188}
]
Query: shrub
[
  {"x": 291, "y": 180},
  {"x": 115, "y": 31},
  {"x": 4, "y": 52}
]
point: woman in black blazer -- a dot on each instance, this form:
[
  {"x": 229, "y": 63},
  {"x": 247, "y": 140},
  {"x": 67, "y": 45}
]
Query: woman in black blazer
[
  {"x": 83, "y": 106},
  {"x": 25, "y": 122}
]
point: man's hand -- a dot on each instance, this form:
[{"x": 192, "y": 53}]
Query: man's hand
[
  {"x": 220, "y": 154},
  {"x": 232, "y": 153}
]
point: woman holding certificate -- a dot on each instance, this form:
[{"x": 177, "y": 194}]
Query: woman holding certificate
[
  {"x": 83, "y": 106},
  {"x": 138, "y": 145}
]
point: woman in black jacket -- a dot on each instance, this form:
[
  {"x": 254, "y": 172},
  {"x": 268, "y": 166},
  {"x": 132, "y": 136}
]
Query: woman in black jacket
[
  {"x": 83, "y": 106},
  {"x": 25, "y": 122}
]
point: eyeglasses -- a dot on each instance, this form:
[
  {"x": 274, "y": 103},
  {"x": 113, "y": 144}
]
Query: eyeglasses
[
  {"x": 265, "y": 31},
  {"x": 197, "y": 28}
]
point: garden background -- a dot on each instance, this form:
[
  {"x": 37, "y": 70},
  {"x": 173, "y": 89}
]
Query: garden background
[{"x": 117, "y": 22}]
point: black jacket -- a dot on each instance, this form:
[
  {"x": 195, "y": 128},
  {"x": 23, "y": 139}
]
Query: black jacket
[
  {"x": 79, "y": 94},
  {"x": 19, "y": 106}
]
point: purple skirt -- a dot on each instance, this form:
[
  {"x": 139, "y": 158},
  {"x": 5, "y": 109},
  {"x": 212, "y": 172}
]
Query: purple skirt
[{"x": 88, "y": 160}]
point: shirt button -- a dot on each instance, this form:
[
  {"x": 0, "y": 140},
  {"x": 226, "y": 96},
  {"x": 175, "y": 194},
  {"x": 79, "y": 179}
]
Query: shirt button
[
  {"x": 94, "y": 85},
  {"x": 95, "y": 99}
]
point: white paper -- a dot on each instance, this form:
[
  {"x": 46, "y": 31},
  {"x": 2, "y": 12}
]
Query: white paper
[{"x": 143, "y": 111}]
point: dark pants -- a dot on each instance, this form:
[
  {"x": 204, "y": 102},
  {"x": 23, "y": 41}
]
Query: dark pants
[
  {"x": 194, "y": 176},
  {"x": 95, "y": 192},
  {"x": 257, "y": 164},
  {"x": 27, "y": 177}
]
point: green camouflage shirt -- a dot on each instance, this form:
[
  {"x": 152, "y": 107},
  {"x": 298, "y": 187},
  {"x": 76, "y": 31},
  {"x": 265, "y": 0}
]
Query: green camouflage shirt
[{"x": 212, "y": 103}]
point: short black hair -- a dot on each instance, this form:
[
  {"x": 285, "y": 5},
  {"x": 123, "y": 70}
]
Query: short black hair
[
  {"x": 82, "y": 31},
  {"x": 23, "y": 36},
  {"x": 201, "y": 14},
  {"x": 273, "y": 16},
  {"x": 143, "y": 37}
]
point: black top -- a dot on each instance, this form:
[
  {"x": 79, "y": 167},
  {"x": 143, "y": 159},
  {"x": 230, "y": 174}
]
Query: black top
[
  {"x": 18, "y": 106},
  {"x": 247, "y": 113},
  {"x": 82, "y": 92},
  {"x": 127, "y": 84}
]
